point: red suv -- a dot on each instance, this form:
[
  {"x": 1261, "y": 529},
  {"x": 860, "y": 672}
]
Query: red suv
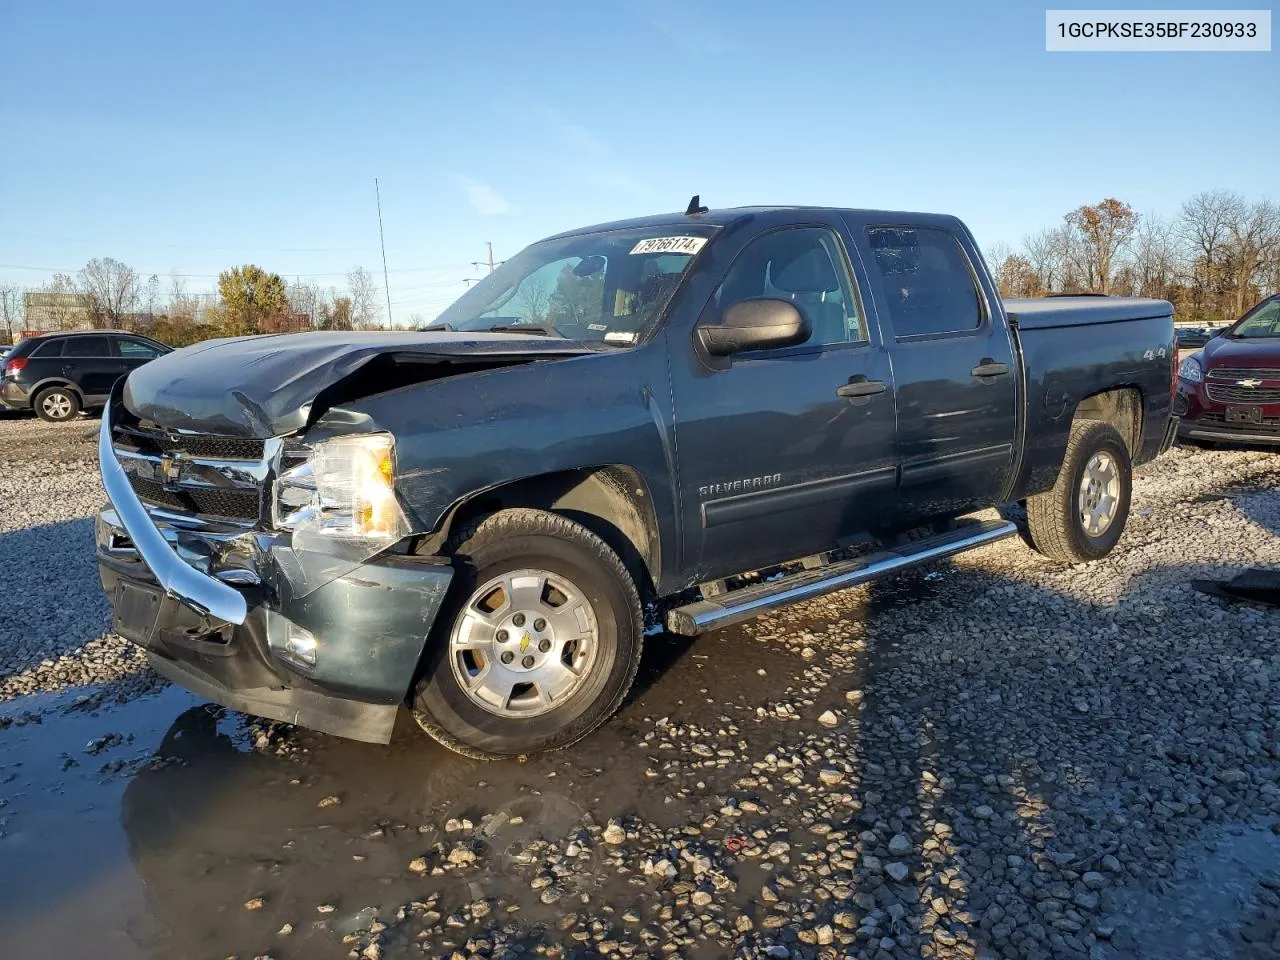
[{"x": 1230, "y": 390}]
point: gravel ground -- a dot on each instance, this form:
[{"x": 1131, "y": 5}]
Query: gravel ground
[
  {"x": 54, "y": 621},
  {"x": 998, "y": 757}
]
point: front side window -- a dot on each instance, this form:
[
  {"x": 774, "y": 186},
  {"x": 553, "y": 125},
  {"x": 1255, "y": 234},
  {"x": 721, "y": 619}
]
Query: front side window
[
  {"x": 1263, "y": 322},
  {"x": 927, "y": 282},
  {"x": 137, "y": 350},
  {"x": 806, "y": 266},
  {"x": 610, "y": 287},
  {"x": 87, "y": 347}
]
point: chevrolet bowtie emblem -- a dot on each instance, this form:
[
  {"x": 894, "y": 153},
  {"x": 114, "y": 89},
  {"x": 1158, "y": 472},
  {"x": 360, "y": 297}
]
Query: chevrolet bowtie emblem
[
  {"x": 524, "y": 643},
  {"x": 1248, "y": 383},
  {"x": 170, "y": 468}
]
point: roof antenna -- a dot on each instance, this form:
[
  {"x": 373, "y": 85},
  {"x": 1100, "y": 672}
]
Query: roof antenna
[{"x": 695, "y": 206}]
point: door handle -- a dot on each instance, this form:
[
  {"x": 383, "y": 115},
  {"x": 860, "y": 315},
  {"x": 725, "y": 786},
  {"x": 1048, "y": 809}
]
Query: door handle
[
  {"x": 989, "y": 368},
  {"x": 860, "y": 386}
]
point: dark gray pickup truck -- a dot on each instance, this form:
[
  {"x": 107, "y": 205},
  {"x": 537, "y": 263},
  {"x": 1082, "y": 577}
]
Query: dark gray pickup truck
[{"x": 679, "y": 421}]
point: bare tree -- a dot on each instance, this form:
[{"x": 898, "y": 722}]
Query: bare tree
[
  {"x": 110, "y": 289},
  {"x": 11, "y": 312},
  {"x": 1043, "y": 252},
  {"x": 535, "y": 299},
  {"x": 363, "y": 296},
  {"x": 1203, "y": 223},
  {"x": 181, "y": 304},
  {"x": 308, "y": 299},
  {"x": 1156, "y": 258},
  {"x": 1103, "y": 230},
  {"x": 1254, "y": 232},
  {"x": 152, "y": 294}
]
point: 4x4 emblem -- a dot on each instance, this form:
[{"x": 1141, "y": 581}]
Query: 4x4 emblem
[{"x": 1248, "y": 383}]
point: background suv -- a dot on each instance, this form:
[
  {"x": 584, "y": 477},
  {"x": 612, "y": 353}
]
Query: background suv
[{"x": 59, "y": 374}]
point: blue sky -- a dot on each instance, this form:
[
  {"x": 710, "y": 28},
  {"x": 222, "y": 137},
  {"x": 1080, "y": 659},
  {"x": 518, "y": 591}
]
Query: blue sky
[{"x": 184, "y": 138}]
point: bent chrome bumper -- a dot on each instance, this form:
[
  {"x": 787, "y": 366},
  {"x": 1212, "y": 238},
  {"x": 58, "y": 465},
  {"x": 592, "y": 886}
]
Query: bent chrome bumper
[{"x": 178, "y": 579}]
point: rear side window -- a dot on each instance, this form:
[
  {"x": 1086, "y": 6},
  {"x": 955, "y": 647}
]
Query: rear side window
[
  {"x": 50, "y": 348},
  {"x": 928, "y": 284},
  {"x": 87, "y": 347},
  {"x": 137, "y": 350}
]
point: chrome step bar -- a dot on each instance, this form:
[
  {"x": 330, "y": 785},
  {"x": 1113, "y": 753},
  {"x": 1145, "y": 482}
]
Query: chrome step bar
[{"x": 747, "y": 602}]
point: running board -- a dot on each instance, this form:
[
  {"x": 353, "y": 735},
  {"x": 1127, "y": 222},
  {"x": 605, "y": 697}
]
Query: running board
[{"x": 747, "y": 602}]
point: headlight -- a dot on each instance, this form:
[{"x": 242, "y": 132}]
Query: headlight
[
  {"x": 344, "y": 490},
  {"x": 1189, "y": 369}
]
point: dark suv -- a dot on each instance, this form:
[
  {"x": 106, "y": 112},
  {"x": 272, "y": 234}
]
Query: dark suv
[{"x": 59, "y": 374}]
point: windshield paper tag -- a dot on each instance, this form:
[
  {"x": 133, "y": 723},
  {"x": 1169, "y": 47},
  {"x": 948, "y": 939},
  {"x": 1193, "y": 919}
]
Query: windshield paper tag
[
  {"x": 620, "y": 336},
  {"x": 689, "y": 245}
]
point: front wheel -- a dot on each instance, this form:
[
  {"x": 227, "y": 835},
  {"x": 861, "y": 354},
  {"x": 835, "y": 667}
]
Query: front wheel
[
  {"x": 539, "y": 642},
  {"x": 1083, "y": 516}
]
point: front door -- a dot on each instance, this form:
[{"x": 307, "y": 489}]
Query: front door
[
  {"x": 790, "y": 451},
  {"x": 954, "y": 365}
]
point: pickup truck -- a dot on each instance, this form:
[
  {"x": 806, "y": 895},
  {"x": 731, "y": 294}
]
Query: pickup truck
[{"x": 678, "y": 421}]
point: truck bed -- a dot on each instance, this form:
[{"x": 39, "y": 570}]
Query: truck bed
[{"x": 1046, "y": 312}]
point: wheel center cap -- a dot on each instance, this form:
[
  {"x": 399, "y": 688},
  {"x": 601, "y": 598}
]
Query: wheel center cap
[{"x": 526, "y": 646}]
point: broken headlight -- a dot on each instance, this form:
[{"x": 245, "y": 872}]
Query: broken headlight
[{"x": 345, "y": 490}]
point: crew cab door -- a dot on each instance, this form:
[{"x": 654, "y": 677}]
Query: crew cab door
[
  {"x": 954, "y": 363},
  {"x": 783, "y": 452}
]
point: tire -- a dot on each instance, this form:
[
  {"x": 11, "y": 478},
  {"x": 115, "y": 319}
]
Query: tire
[
  {"x": 1059, "y": 525},
  {"x": 56, "y": 404},
  {"x": 587, "y": 613}
]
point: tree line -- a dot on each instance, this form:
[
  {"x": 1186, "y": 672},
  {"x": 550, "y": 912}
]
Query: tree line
[
  {"x": 108, "y": 294},
  {"x": 1216, "y": 257}
]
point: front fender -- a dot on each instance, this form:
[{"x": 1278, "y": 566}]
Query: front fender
[{"x": 467, "y": 434}]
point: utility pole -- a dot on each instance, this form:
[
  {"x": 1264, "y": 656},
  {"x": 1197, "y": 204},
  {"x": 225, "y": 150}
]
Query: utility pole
[
  {"x": 386, "y": 285},
  {"x": 491, "y": 262}
]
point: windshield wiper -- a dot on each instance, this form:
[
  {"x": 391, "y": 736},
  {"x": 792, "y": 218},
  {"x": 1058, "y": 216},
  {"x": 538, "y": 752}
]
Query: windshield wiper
[{"x": 536, "y": 329}]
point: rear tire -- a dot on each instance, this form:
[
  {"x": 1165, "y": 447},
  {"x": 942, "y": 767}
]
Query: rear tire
[
  {"x": 539, "y": 640},
  {"x": 56, "y": 404},
  {"x": 1083, "y": 516}
]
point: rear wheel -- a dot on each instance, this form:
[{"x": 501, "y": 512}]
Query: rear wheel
[
  {"x": 56, "y": 404},
  {"x": 539, "y": 642},
  {"x": 1084, "y": 514}
]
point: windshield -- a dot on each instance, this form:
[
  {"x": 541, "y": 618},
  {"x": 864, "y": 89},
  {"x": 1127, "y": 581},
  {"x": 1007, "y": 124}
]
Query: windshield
[
  {"x": 608, "y": 287},
  {"x": 1263, "y": 321}
]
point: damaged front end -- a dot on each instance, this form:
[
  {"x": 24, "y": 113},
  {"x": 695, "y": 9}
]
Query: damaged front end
[{"x": 267, "y": 574}]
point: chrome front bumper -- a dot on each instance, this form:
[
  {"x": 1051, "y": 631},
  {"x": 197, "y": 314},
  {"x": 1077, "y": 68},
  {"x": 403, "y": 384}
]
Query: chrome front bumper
[{"x": 176, "y": 577}]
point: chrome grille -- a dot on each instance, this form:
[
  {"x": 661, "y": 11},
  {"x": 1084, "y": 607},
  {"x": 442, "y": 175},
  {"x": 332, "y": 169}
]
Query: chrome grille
[
  {"x": 1244, "y": 373},
  {"x": 157, "y": 441},
  {"x": 1231, "y": 392},
  {"x": 1223, "y": 385},
  {"x": 222, "y": 479}
]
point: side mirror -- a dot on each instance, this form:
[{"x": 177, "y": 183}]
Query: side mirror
[{"x": 756, "y": 324}]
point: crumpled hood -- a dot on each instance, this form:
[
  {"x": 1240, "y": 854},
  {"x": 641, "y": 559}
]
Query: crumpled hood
[
  {"x": 1244, "y": 354},
  {"x": 267, "y": 386}
]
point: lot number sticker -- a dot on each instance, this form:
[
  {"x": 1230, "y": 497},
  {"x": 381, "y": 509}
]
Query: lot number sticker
[{"x": 689, "y": 245}]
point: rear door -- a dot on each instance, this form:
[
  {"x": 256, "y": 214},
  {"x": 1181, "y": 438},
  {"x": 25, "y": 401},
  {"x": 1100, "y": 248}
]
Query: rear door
[
  {"x": 89, "y": 363},
  {"x": 954, "y": 364},
  {"x": 789, "y": 451}
]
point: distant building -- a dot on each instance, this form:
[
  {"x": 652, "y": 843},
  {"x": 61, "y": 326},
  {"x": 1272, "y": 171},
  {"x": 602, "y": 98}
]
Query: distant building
[{"x": 46, "y": 310}]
